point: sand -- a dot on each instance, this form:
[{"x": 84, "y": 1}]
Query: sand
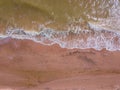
[{"x": 27, "y": 65}]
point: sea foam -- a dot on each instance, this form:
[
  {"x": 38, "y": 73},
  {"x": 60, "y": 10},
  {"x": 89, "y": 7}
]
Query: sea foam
[{"x": 96, "y": 37}]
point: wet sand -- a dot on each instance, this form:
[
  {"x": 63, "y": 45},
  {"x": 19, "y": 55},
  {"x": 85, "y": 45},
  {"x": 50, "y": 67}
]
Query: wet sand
[{"x": 26, "y": 65}]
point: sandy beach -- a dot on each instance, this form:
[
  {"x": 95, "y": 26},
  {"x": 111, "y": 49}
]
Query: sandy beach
[
  {"x": 59, "y": 44},
  {"x": 27, "y": 65}
]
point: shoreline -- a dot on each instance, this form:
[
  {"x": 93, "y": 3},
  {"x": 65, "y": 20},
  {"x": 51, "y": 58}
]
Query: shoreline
[{"x": 70, "y": 39}]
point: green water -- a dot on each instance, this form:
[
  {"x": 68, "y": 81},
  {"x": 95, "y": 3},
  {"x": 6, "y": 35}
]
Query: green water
[{"x": 30, "y": 13}]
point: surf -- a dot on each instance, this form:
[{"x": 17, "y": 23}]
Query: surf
[{"x": 97, "y": 38}]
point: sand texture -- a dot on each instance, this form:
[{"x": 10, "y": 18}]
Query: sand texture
[{"x": 26, "y": 65}]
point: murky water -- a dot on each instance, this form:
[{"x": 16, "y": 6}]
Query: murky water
[
  {"x": 65, "y": 20},
  {"x": 55, "y": 13}
]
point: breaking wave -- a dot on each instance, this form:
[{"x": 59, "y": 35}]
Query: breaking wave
[{"x": 96, "y": 37}]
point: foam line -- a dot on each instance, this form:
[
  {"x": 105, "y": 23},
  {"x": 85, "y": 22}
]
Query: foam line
[{"x": 97, "y": 38}]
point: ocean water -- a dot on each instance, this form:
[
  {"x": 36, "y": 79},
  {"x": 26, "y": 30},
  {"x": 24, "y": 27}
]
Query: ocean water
[{"x": 72, "y": 24}]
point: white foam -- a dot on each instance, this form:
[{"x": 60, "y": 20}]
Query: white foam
[{"x": 97, "y": 38}]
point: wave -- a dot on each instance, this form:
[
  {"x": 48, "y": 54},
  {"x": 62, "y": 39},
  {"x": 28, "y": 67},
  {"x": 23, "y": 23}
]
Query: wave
[{"x": 96, "y": 37}]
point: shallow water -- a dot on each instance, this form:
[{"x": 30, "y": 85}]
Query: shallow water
[{"x": 71, "y": 24}]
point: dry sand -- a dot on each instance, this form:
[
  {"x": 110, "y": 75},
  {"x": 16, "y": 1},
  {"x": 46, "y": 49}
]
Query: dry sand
[{"x": 26, "y": 65}]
